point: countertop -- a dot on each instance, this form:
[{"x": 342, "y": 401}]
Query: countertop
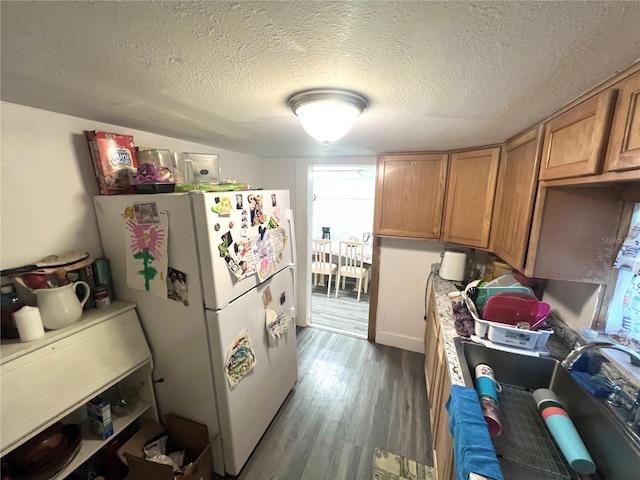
[
  {"x": 442, "y": 288},
  {"x": 560, "y": 343}
]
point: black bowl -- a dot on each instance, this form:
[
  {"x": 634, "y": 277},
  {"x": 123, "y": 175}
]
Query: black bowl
[
  {"x": 45, "y": 455},
  {"x": 159, "y": 187}
]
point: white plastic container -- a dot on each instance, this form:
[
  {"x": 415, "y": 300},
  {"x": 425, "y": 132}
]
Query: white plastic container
[
  {"x": 510, "y": 335},
  {"x": 507, "y": 335}
]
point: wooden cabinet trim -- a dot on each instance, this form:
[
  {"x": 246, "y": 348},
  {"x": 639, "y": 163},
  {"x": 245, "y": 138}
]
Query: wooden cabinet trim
[
  {"x": 439, "y": 388},
  {"x": 625, "y": 127},
  {"x": 598, "y": 108}
]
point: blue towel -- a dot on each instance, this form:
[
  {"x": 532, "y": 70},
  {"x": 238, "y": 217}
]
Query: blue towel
[{"x": 473, "y": 450}]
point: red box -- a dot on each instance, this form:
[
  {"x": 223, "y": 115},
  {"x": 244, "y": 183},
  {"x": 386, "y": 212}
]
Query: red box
[{"x": 114, "y": 161}]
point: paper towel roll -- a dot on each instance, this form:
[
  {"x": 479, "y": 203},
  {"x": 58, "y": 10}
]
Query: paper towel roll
[
  {"x": 453, "y": 265},
  {"x": 29, "y": 323}
]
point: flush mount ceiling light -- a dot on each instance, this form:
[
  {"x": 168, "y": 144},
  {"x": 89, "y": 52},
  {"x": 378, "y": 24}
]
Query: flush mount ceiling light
[{"x": 327, "y": 114}]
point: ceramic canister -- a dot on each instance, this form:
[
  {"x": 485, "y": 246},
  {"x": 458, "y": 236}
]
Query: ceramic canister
[{"x": 60, "y": 306}]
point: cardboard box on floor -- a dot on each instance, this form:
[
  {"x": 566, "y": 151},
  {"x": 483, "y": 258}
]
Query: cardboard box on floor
[{"x": 185, "y": 435}]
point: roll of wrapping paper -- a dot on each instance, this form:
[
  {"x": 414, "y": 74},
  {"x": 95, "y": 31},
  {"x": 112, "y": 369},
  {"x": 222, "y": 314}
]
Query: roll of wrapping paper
[{"x": 564, "y": 431}]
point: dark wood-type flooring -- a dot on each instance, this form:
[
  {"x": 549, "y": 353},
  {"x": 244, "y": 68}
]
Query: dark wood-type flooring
[
  {"x": 351, "y": 397},
  {"x": 343, "y": 313}
]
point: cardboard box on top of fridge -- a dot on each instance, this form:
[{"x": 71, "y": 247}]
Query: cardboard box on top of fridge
[
  {"x": 187, "y": 435},
  {"x": 114, "y": 161}
]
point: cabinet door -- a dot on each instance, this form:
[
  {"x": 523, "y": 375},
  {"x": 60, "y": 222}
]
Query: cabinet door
[
  {"x": 410, "y": 195},
  {"x": 624, "y": 143},
  {"x": 515, "y": 197},
  {"x": 470, "y": 194},
  {"x": 431, "y": 341},
  {"x": 443, "y": 444},
  {"x": 575, "y": 141}
]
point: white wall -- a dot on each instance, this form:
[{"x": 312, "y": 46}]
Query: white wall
[
  {"x": 47, "y": 181},
  {"x": 404, "y": 269}
]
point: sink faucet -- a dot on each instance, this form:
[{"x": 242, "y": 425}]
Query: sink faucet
[
  {"x": 576, "y": 352},
  {"x": 633, "y": 417}
]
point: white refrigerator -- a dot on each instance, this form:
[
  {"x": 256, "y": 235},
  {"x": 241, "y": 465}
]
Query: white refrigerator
[{"x": 234, "y": 284}]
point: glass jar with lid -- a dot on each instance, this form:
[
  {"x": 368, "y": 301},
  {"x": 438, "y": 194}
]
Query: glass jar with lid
[{"x": 462, "y": 320}]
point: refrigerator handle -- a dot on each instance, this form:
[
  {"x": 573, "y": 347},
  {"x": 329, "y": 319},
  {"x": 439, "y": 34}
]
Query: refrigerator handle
[{"x": 294, "y": 257}]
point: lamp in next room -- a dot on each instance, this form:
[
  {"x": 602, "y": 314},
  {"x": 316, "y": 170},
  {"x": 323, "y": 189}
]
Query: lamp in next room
[{"x": 327, "y": 114}]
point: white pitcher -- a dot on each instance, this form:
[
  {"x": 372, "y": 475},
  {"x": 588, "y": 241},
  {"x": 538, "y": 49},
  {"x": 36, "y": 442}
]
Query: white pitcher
[{"x": 60, "y": 306}]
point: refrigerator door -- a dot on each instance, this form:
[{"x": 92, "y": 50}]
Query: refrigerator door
[
  {"x": 176, "y": 333},
  {"x": 246, "y": 411},
  {"x": 217, "y": 228}
]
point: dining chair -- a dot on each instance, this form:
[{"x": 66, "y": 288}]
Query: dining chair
[
  {"x": 321, "y": 263},
  {"x": 350, "y": 264}
]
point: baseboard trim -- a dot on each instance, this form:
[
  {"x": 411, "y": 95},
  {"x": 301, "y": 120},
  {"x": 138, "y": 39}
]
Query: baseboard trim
[{"x": 400, "y": 341}]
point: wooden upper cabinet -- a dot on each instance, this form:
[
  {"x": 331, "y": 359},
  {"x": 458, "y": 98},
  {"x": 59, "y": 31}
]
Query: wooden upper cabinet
[
  {"x": 624, "y": 142},
  {"x": 575, "y": 141},
  {"x": 515, "y": 197},
  {"x": 470, "y": 194},
  {"x": 410, "y": 195}
]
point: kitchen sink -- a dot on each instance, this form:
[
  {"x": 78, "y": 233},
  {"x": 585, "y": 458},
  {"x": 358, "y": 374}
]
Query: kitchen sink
[{"x": 525, "y": 448}]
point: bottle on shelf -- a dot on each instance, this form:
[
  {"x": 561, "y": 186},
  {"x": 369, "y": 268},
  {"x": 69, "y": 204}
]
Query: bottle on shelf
[{"x": 10, "y": 303}]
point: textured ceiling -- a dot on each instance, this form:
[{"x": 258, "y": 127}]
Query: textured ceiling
[{"x": 438, "y": 75}]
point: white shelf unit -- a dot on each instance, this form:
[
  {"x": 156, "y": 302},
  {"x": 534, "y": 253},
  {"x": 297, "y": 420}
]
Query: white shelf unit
[{"x": 44, "y": 381}]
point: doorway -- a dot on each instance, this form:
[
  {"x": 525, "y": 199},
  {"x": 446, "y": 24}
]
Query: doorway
[{"x": 342, "y": 212}]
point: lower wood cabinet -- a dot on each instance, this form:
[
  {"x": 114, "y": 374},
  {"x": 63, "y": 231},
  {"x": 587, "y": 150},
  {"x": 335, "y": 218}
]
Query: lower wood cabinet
[
  {"x": 438, "y": 389},
  {"x": 443, "y": 445}
]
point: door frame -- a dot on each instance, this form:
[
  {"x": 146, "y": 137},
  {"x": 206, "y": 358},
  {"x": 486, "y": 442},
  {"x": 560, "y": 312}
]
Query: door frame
[{"x": 375, "y": 261}]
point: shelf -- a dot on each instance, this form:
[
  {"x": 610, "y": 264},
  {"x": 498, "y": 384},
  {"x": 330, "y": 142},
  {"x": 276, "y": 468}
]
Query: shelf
[
  {"x": 90, "y": 445},
  {"x": 12, "y": 349}
]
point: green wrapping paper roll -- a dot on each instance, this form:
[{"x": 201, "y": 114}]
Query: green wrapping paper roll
[{"x": 564, "y": 431}]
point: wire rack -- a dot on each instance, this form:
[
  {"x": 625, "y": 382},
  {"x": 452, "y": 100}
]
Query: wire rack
[{"x": 525, "y": 438}]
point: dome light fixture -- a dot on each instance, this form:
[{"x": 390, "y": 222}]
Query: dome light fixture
[{"x": 327, "y": 114}]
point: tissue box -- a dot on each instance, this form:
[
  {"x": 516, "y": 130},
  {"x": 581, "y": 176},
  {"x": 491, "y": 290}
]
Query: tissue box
[{"x": 99, "y": 411}]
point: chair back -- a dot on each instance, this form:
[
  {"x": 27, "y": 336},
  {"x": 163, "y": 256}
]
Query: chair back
[
  {"x": 351, "y": 256},
  {"x": 321, "y": 254}
]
